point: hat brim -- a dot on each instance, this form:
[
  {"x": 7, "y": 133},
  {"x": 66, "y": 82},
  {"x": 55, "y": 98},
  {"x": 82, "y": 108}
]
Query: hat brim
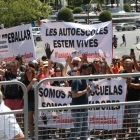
[{"x": 45, "y": 65}]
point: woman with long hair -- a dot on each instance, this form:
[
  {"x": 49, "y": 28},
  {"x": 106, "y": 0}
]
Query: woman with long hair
[{"x": 29, "y": 81}]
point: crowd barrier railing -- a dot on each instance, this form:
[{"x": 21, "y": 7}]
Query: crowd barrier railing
[
  {"x": 37, "y": 109},
  {"x": 24, "y": 110}
]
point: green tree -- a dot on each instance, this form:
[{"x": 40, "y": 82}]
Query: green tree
[
  {"x": 127, "y": 7},
  {"x": 105, "y": 16},
  {"x": 65, "y": 14},
  {"x": 86, "y": 1},
  {"x": 75, "y": 3},
  {"x": 77, "y": 10},
  {"x": 100, "y": 1},
  {"x": 22, "y": 11}
]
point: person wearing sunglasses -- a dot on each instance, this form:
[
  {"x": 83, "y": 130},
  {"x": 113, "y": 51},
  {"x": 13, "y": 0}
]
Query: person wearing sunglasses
[
  {"x": 116, "y": 64},
  {"x": 45, "y": 72},
  {"x": 96, "y": 64},
  {"x": 74, "y": 63}
]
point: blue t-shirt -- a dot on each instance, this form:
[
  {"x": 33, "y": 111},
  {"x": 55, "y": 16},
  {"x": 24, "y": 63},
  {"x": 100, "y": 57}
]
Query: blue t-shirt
[{"x": 79, "y": 85}]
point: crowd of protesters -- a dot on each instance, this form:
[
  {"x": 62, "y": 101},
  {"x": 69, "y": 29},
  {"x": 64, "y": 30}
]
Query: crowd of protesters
[{"x": 33, "y": 71}]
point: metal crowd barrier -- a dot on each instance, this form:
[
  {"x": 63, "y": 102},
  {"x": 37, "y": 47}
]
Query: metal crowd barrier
[
  {"x": 23, "y": 111},
  {"x": 37, "y": 109}
]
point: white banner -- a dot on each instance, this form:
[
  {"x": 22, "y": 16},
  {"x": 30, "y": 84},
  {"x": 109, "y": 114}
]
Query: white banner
[
  {"x": 62, "y": 38},
  {"x": 110, "y": 91},
  {"x": 17, "y": 41}
]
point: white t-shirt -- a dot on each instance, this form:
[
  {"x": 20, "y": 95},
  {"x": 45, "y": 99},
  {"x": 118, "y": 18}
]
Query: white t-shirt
[{"x": 9, "y": 127}]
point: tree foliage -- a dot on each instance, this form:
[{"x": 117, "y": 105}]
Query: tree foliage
[
  {"x": 22, "y": 11},
  {"x": 105, "y": 16},
  {"x": 65, "y": 14},
  {"x": 127, "y": 7},
  {"x": 75, "y": 3},
  {"x": 77, "y": 10}
]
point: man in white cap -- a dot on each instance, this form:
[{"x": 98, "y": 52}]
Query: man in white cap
[{"x": 9, "y": 128}]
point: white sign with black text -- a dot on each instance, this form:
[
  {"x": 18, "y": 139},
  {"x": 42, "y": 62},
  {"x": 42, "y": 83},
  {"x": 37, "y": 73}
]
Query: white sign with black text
[
  {"x": 111, "y": 117},
  {"x": 62, "y": 38},
  {"x": 17, "y": 41}
]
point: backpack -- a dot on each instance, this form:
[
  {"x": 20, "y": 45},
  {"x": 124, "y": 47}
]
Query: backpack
[{"x": 13, "y": 91}]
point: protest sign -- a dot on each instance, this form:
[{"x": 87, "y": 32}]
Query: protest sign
[
  {"x": 62, "y": 38},
  {"x": 17, "y": 41},
  {"x": 4, "y": 45},
  {"x": 110, "y": 91}
]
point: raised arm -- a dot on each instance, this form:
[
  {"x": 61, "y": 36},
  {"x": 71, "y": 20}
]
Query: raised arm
[
  {"x": 132, "y": 55},
  {"x": 68, "y": 60},
  {"x": 2, "y": 72}
]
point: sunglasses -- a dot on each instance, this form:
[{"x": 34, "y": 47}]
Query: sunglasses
[
  {"x": 75, "y": 64},
  {"x": 8, "y": 69},
  {"x": 13, "y": 66},
  {"x": 29, "y": 72},
  {"x": 115, "y": 59},
  {"x": 74, "y": 71},
  {"x": 126, "y": 64},
  {"x": 96, "y": 61},
  {"x": 58, "y": 71}
]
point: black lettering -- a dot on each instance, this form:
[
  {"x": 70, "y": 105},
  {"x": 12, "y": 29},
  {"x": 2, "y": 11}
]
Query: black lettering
[
  {"x": 113, "y": 108},
  {"x": 106, "y": 30},
  {"x": 16, "y": 37},
  {"x": 44, "y": 104},
  {"x": 24, "y": 36},
  {"x": 120, "y": 90},
  {"x": 78, "y": 43},
  {"x": 60, "y": 32},
  {"x": 59, "y": 44},
  {"x": 19, "y": 39},
  {"x": 108, "y": 101},
  {"x": 82, "y": 32},
  {"x": 106, "y": 90},
  {"x": 12, "y": 36},
  {"x": 91, "y": 43},
  {"x": 63, "y": 95},
  {"x": 9, "y": 38},
  {"x": 118, "y": 107},
  {"x": 47, "y": 32},
  {"x": 40, "y": 92},
  {"x": 28, "y": 34},
  {"x": 69, "y": 94},
  {"x": 78, "y": 32},
  {"x": 55, "y": 32},
  {"x": 73, "y": 31},
  {"x": 115, "y": 90},
  {"x": 52, "y": 93},
  {"x": 45, "y": 92},
  {"x": 55, "y": 43},
  {"x": 95, "y": 43},
  {"x": 101, "y": 31},
  {"x": 87, "y": 32},
  {"x": 51, "y": 32},
  {"x": 102, "y": 102},
  {"x": 97, "y": 108},
  {"x": 58, "y": 93}
]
